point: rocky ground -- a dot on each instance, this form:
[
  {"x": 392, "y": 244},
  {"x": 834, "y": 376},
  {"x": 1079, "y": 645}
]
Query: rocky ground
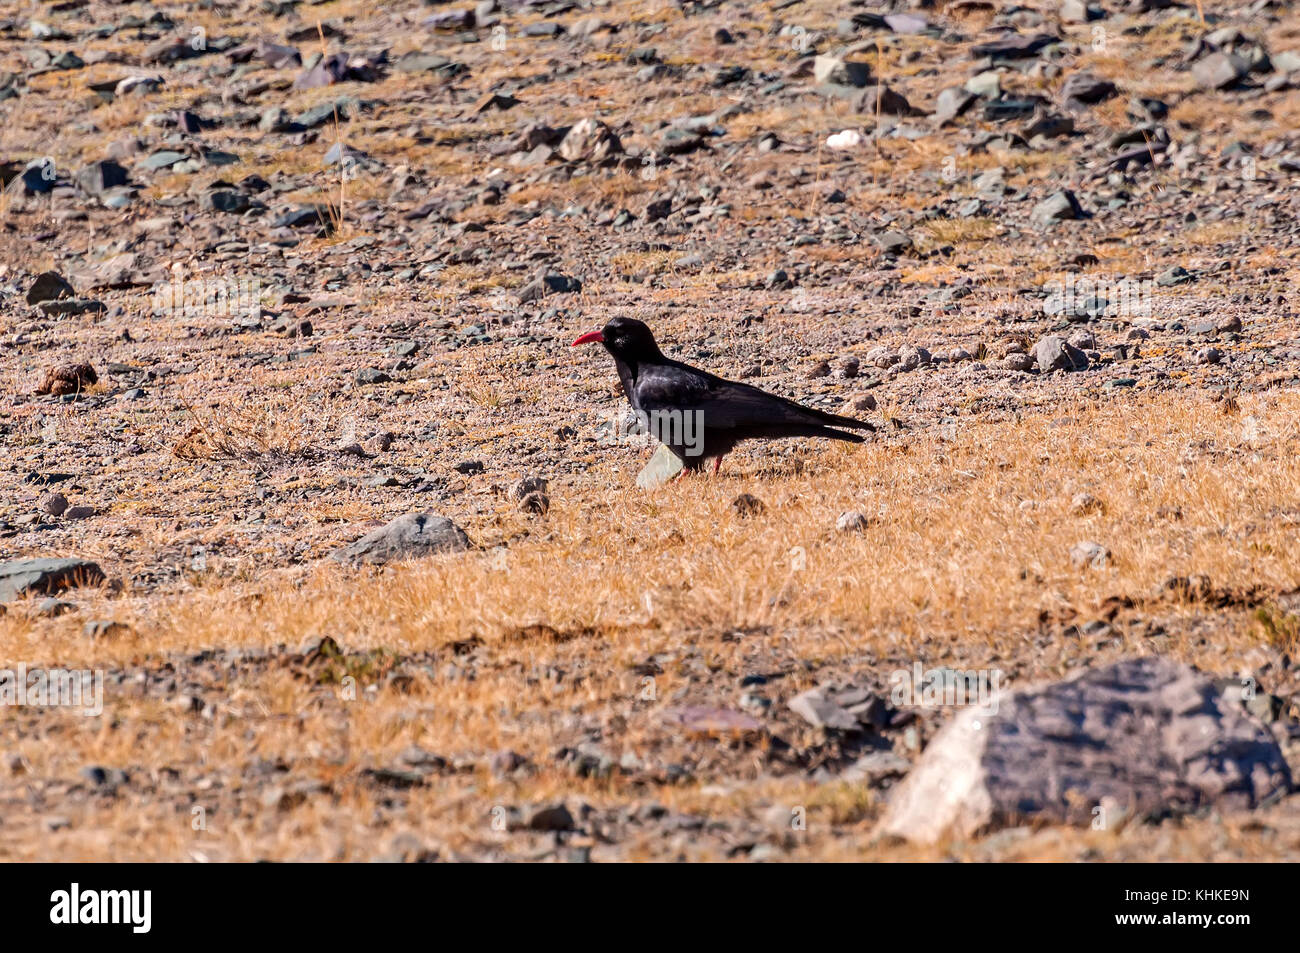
[{"x": 275, "y": 274}]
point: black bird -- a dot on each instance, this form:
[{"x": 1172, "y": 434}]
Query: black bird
[{"x": 698, "y": 415}]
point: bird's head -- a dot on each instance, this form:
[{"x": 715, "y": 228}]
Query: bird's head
[{"x": 627, "y": 339}]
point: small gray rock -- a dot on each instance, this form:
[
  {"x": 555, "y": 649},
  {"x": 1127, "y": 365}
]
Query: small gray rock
[
  {"x": 54, "y": 504},
  {"x": 412, "y": 535},
  {"x": 852, "y": 521},
  {"x": 1220, "y": 70},
  {"x": 49, "y": 286},
  {"x": 1089, "y": 554},
  {"x": 1055, "y": 353},
  {"x": 1057, "y": 207}
]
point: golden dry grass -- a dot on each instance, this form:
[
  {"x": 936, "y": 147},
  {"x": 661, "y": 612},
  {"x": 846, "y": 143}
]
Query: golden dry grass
[
  {"x": 971, "y": 528},
  {"x": 967, "y": 552}
]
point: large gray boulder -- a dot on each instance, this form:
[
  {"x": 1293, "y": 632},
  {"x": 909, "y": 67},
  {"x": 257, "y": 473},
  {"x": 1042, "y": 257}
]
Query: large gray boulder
[
  {"x": 24, "y": 577},
  {"x": 409, "y": 536},
  {"x": 1138, "y": 738}
]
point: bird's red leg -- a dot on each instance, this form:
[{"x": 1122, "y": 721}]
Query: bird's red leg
[{"x": 717, "y": 462}]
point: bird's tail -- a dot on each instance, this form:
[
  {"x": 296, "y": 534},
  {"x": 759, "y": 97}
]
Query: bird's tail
[
  {"x": 815, "y": 430},
  {"x": 835, "y": 420},
  {"x": 841, "y": 435}
]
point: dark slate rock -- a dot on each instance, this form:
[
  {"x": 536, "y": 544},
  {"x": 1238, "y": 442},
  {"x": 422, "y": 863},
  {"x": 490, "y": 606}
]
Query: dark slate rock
[
  {"x": 547, "y": 285},
  {"x": 98, "y": 177},
  {"x": 49, "y": 286},
  {"x": 1019, "y": 46}
]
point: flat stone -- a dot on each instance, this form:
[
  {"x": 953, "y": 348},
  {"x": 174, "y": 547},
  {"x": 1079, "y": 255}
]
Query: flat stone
[
  {"x": 664, "y": 465},
  {"x": 1220, "y": 70},
  {"x": 412, "y": 535},
  {"x": 23, "y": 577},
  {"x": 952, "y": 102},
  {"x": 841, "y": 72}
]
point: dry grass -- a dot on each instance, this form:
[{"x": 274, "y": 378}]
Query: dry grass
[{"x": 967, "y": 548}]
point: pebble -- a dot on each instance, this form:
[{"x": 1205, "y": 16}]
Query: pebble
[{"x": 852, "y": 521}]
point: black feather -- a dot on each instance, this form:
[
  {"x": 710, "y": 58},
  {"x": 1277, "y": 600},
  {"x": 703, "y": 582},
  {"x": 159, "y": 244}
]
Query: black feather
[{"x": 670, "y": 394}]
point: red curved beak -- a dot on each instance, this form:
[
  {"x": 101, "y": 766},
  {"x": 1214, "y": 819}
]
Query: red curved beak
[{"x": 588, "y": 338}]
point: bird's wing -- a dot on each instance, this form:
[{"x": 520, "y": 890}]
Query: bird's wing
[{"x": 725, "y": 404}]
